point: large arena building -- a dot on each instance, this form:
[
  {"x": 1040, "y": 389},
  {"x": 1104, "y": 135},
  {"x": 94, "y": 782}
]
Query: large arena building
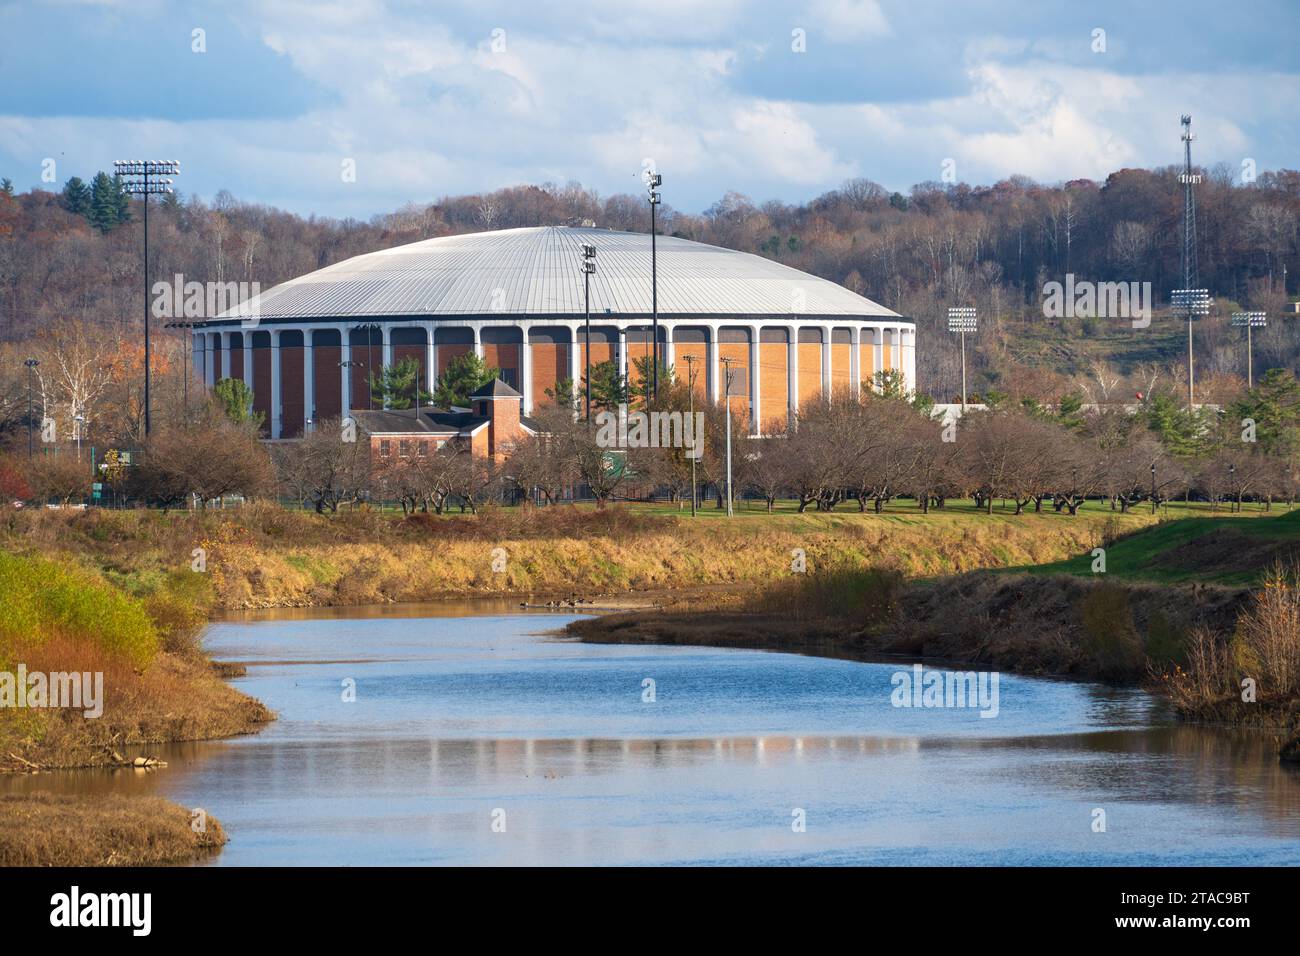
[{"x": 515, "y": 297}]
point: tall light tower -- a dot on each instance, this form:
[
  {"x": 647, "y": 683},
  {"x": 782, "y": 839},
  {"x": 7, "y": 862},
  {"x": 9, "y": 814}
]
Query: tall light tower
[
  {"x": 727, "y": 380},
  {"x": 962, "y": 319},
  {"x": 588, "y": 267},
  {"x": 1192, "y": 297},
  {"x": 1190, "y": 303},
  {"x": 1249, "y": 320},
  {"x": 145, "y": 178},
  {"x": 653, "y": 182}
]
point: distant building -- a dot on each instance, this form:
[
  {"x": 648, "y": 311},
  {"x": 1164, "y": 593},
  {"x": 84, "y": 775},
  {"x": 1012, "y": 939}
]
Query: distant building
[
  {"x": 516, "y": 298},
  {"x": 489, "y": 428}
]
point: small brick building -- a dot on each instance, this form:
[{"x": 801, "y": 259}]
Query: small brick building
[{"x": 491, "y": 425}]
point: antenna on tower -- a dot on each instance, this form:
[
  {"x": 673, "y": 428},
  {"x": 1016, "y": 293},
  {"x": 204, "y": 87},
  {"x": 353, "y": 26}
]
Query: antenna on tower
[
  {"x": 1189, "y": 300},
  {"x": 1189, "y": 179}
]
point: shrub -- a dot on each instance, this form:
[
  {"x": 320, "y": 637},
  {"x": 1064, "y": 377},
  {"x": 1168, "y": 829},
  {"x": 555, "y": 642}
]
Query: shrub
[{"x": 43, "y": 599}]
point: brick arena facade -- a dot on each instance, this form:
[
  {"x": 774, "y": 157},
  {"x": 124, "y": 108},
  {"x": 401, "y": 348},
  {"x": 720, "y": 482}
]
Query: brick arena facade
[{"x": 515, "y": 297}]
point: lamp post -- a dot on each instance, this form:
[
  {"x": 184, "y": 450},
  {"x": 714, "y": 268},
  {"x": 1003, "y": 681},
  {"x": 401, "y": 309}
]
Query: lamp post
[
  {"x": 690, "y": 388},
  {"x": 653, "y": 182},
  {"x": 31, "y": 364},
  {"x": 727, "y": 379},
  {"x": 145, "y": 178},
  {"x": 1249, "y": 320},
  {"x": 588, "y": 267},
  {"x": 1153, "y": 487},
  {"x": 78, "y": 421},
  {"x": 962, "y": 319},
  {"x": 1190, "y": 303},
  {"x": 1234, "y": 502}
]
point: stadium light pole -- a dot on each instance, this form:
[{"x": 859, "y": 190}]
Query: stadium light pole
[
  {"x": 31, "y": 364},
  {"x": 726, "y": 362},
  {"x": 1190, "y": 303},
  {"x": 588, "y": 267},
  {"x": 690, "y": 387},
  {"x": 962, "y": 319},
  {"x": 145, "y": 178},
  {"x": 653, "y": 182},
  {"x": 1249, "y": 320}
]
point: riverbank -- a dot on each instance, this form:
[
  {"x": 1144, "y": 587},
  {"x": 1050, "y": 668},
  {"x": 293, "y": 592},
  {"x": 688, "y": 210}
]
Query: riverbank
[
  {"x": 87, "y": 671},
  {"x": 265, "y": 556},
  {"x": 106, "y": 830},
  {"x": 1221, "y": 652}
]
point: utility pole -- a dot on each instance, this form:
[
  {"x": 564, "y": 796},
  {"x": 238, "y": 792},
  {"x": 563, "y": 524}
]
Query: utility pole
[
  {"x": 31, "y": 364},
  {"x": 727, "y": 388},
  {"x": 690, "y": 387}
]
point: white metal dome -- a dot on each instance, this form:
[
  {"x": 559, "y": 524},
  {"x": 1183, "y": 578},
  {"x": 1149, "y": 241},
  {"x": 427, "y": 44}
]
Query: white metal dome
[{"x": 535, "y": 272}]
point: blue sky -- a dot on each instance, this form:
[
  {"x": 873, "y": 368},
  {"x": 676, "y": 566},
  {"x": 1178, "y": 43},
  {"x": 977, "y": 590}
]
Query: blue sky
[{"x": 442, "y": 98}]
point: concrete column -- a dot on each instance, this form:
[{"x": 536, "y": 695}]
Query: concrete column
[
  {"x": 277, "y": 412},
  {"x": 668, "y": 356},
  {"x": 575, "y": 358},
  {"x": 248, "y": 358},
  {"x": 622, "y": 352},
  {"x": 478, "y": 338},
  {"x": 526, "y": 371},
  {"x": 792, "y": 373},
  {"x": 826, "y": 363},
  {"x": 755, "y": 385},
  {"x": 308, "y": 384},
  {"x": 198, "y": 360},
  {"x": 877, "y": 351},
  {"x": 225, "y": 354},
  {"x": 430, "y": 357},
  {"x": 898, "y": 348},
  {"x": 345, "y": 357},
  {"x": 711, "y": 360},
  {"x": 855, "y": 343},
  {"x": 909, "y": 365}
]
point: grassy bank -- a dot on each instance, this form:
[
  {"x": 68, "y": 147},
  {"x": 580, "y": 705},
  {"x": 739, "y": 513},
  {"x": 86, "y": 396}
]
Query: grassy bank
[
  {"x": 141, "y": 679},
  {"x": 46, "y": 830},
  {"x": 157, "y": 685},
  {"x": 267, "y": 557}
]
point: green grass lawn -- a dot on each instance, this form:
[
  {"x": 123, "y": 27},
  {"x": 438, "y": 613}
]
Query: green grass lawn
[{"x": 1220, "y": 549}]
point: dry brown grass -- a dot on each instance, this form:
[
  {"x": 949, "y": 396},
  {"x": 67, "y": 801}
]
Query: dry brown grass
[
  {"x": 264, "y": 556},
  {"x": 50, "y": 830},
  {"x": 175, "y": 698}
]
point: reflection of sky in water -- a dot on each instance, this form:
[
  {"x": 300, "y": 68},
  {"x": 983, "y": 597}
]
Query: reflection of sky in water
[
  {"x": 487, "y": 676},
  {"x": 456, "y": 717}
]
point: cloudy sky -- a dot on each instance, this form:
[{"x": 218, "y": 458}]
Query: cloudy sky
[{"x": 273, "y": 99}]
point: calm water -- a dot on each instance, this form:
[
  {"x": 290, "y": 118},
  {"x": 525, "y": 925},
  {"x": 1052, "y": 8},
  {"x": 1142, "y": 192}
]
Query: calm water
[{"x": 462, "y": 720}]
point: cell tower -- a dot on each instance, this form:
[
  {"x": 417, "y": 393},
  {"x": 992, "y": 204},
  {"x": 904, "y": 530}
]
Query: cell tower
[
  {"x": 1189, "y": 208},
  {"x": 1189, "y": 300}
]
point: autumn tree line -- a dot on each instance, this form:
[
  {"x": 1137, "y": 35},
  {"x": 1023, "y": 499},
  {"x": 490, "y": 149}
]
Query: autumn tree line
[
  {"x": 71, "y": 255},
  {"x": 869, "y": 451}
]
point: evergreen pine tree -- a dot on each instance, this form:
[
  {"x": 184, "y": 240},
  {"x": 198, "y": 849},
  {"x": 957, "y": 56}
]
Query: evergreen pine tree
[
  {"x": 121, "y": 201},
  {"x": 76, "y": 197},
  {"x": 103, "y": 213}
]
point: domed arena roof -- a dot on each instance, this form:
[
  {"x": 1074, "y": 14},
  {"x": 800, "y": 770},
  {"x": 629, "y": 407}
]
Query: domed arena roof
[{"x": 535, "y": 272}]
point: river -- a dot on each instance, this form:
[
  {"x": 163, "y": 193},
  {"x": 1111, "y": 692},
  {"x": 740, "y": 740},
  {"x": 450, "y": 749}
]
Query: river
[{"x": 480, "y": 738}]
